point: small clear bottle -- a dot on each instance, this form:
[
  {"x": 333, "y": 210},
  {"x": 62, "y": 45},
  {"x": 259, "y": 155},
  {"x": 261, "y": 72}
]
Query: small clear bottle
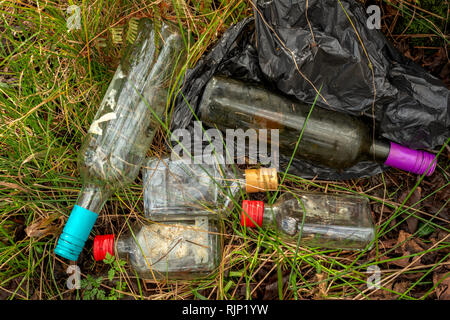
[
  {"x": 124, "y": 126},
  {"x": 178, "y": 188},
  {"x": 322, "y": 220},
  {"x": 185, "y": 249}
]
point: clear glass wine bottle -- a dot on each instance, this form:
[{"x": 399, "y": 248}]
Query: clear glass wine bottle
[{"x": 123, "y": 128}]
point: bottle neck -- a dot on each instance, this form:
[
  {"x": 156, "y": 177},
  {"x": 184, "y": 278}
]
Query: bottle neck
[
  {"x": 93, "y": 197},
  {"x": 379, "y": 151},
  {"x": 240, "y": 183},
  {"x": 254, "y": 180},
  {"x": 260, "y": 180},
  {"x": 232, "y": 194},
  {"x": 124, "y": 247},
  {"x": 269, "y": 216}
]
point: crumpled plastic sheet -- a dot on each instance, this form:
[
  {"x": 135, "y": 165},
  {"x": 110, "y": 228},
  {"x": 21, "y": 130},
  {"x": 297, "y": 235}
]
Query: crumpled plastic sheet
[{"x": 277, "y": 48}]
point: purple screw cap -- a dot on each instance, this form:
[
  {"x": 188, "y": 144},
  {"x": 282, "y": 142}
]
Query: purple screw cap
[{"x": 415, "y": 161}]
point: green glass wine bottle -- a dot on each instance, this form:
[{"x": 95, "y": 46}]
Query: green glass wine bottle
[{"x": 330, "y": 138}]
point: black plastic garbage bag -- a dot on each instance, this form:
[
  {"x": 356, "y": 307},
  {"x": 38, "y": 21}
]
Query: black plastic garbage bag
[{"x": 298, "y": 50}]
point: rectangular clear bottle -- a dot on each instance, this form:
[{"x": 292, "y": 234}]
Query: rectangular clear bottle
[
  {"x": 185, "y": 249},
  {"x": 176, "y": 188},
  {"x": 320, "y": 220}
]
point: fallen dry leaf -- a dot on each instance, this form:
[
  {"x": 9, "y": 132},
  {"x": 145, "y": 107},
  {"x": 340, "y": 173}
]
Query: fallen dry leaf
[
  {"x": 415, "y": 197},
  {"x": 401, "y": 262},
  {"x": 443, "y": 289},
  {"x": 407, "y": 246},
  {"x": 401, "y": 286},
  {"x": 44, "y": 227},
  {"x": 321, "y": 288},
  {"x": 10, "y": 185},
  {"x": 414, "y": 245}
]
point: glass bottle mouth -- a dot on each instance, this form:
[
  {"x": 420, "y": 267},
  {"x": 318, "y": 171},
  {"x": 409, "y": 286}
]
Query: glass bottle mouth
[
  {"x": 103, "y": 244},
  {"x": 252, "y": 213}
]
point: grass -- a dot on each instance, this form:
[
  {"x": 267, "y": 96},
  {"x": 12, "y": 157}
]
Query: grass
[
  {"x": 51, "y": 83},
  {"x": 432, "y": 18}
]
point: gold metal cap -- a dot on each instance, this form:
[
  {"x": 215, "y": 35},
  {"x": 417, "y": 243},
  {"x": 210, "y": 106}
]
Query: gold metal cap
[{"x": 263, "y": 179}]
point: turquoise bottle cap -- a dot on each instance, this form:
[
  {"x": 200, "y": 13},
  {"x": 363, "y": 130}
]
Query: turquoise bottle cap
[{"x": 75, "y": 233}]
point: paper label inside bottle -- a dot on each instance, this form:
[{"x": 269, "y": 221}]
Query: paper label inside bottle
[{"x": 177, "y": 246}]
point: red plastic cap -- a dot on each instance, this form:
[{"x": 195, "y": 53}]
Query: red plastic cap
[
  {"x": 253, "y": 210},
  {"x": 102, "y": 245}
]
